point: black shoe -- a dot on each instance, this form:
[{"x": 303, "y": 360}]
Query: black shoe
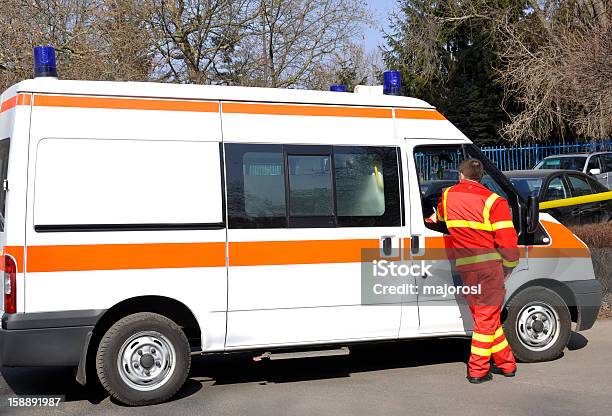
[
  {"x": 509, "y": 374},
  {"x": 478, "y": 380}
]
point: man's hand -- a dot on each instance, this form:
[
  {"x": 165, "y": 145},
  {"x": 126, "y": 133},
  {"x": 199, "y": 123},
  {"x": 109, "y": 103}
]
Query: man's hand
[{"x": 507, "y": 271}]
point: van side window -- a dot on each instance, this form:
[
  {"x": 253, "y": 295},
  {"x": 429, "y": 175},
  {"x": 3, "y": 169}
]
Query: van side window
[
  {"x": 264, "y": 193},
  {"x": 367, "y": 186},
  {"x": 255, "y": 186},
  {"x": 310, "y": 186}
]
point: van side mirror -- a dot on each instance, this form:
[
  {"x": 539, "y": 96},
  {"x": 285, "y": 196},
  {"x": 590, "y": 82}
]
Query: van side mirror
[
  {"x": 595, "y": 171},
  {"x": 533, "y": 214}
]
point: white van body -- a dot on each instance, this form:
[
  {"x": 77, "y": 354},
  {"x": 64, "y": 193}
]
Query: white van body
[{"x": 119, "y": 196}]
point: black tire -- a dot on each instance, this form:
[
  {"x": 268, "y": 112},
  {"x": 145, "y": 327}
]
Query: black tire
[
  {"x": 525, "y": 303},
  {"x": 110, "y": 347}
]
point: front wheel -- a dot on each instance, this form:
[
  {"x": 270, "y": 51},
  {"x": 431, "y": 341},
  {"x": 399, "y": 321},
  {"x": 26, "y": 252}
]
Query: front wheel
[
  {"x": 538, "y": 325},
  {"x": 143, "y": 359}
]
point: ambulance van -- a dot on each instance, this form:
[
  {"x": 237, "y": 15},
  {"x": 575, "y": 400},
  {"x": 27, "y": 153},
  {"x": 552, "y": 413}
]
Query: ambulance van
[{"x": 144, "y": 223}]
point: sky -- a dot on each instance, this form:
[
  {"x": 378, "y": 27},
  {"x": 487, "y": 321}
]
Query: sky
[{"x": 381, "y": 10}]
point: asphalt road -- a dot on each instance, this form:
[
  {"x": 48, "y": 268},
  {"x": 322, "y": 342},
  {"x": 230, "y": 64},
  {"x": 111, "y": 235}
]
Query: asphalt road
[{"x": 422, "y": 378}]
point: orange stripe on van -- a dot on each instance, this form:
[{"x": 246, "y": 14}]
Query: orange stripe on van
[
  {"x": 24, "y": 99},
  {"x": 250, "y": 253},
  {"x": 17, "y": 253},
  {"x": 124, "y": 103},
  {"x": 306, "y": 110},
  {"x": 19, "y": 99},
  {"x": 259, "y": 253},
  {"x": 418, "y": 114},
  {"x": 124, "y": 256},
  {"x": 8, "y": 104},
  {"x": 563, "y": 243}
]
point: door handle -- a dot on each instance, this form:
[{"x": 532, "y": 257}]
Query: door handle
[
  {"x": 414, "y": 244},
  {"x": 386, "y": 246}
]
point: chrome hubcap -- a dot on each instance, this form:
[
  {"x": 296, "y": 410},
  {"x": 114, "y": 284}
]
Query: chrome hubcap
[
  {"x": 537, "y": 326},
  {"x": 146, "y": 360}
]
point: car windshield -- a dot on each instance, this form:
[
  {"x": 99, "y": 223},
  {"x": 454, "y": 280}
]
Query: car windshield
[
  {"x": 570, "y": 163},
  {"x": 527, "y": 186}
]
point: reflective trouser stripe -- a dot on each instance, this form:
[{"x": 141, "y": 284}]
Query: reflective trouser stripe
[
  {"x": 482, "y": 338},
  {"x": 486, "y": 352},
  {"x": 498, "y": 333},
  {"x": 499, "y": 347},
  {"x": 483, "y": 352},
  {"x": 478, "y": 258}
]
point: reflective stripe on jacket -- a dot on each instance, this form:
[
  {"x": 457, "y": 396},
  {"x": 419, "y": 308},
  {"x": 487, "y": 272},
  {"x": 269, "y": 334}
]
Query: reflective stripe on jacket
[{"x": 480, "y": 224}]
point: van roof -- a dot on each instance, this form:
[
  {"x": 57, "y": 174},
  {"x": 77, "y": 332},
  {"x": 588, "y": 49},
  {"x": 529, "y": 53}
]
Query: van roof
[{"x": 212, "y": 92}]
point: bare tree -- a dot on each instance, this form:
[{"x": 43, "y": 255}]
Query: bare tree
[
  {"x": 353, "y": 67},
  {"x": 559, "y": 69},
  {"x": 298, "y": 37},
  {"x": 554, "y": 59},
  {"x": 94, "y": 39},
  {"x": 277, "y": 43},
  {"x": 195, "y": 39}
]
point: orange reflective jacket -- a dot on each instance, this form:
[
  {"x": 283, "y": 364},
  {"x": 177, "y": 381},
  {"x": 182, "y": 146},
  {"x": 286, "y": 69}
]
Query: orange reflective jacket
[{"x": 480, "y": 224}]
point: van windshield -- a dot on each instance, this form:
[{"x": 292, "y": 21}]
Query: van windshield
[{"x": 4, "y": 155}]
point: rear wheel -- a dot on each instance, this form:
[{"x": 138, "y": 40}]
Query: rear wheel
[
  {"x": 538, "y": 326},
  {"x": 143, "y": 359}
]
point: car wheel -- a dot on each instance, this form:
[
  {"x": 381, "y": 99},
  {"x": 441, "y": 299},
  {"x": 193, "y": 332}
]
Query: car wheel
[
  {"x": 143, "y": 359},
  {"x": 538, "y": 324}
]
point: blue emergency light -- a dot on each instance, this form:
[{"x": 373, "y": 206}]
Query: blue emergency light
[
  {"x": 392, "y": 83},
  {"x": 44, "y": 62},
  {"x": 338, "y": 88}
]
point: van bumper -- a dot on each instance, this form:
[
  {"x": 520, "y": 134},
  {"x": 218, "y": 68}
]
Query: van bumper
[
  {"x": 45, "y": 339},
  {"x": 588, "y": 296}
]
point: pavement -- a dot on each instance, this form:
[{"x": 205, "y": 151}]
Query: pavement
[{"x": 401, "y": 378}]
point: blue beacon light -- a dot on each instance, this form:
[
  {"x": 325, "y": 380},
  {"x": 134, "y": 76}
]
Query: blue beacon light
[
  {"x": 44, "y": 62},
  {"x": 338, "y": 88},
  {"x": 392, "y": 83}
]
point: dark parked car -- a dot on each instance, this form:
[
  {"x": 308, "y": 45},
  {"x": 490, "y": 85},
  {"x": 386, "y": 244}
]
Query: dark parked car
[
  {"x": 548, "y": 185},
  {"x": 596, "y": 164}
]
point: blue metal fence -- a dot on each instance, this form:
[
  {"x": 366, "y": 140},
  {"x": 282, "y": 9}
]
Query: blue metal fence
[{"x": 525, "y": 157}]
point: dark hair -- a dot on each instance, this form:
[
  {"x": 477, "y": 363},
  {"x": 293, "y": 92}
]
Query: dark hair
[{"x": 472, "y": 169}]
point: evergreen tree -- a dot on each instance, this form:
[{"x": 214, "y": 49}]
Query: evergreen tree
[{"x": 448, "y": 56}]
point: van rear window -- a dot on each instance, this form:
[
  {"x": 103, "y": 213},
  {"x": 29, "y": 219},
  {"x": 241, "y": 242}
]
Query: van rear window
[{"x": 4, "y": 155}]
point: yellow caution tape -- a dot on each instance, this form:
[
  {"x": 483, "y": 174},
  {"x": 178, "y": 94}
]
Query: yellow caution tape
[{"x": 577, "y": 200}]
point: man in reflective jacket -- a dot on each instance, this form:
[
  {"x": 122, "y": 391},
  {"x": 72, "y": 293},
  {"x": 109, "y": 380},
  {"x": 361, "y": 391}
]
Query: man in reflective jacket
[{"x": 484, "y": 246}]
